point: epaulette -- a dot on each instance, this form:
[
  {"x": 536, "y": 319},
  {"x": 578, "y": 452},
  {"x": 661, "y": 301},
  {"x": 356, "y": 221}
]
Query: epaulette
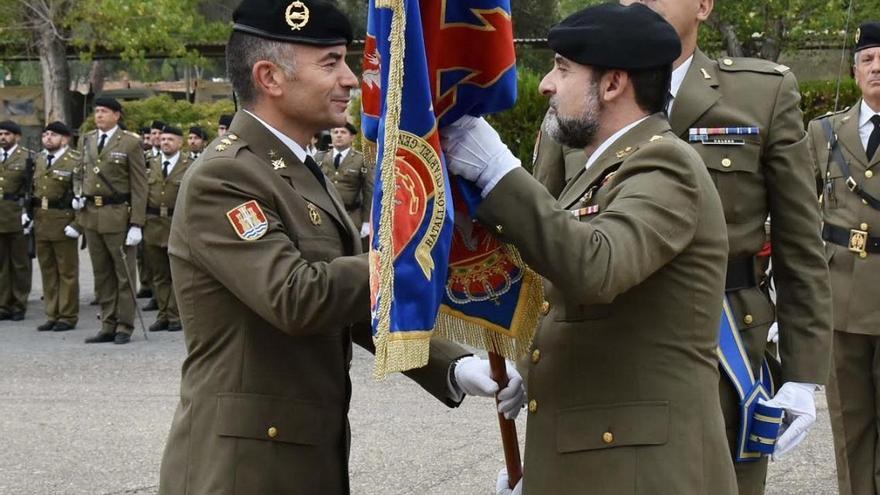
[
  {"x": 831, "y": 114},
  {"x": 744, "y": 64},
  {"x": 74, "y": 153},
  {"x": 227, "y": 145},
  {"x": 134, "y": 135}
]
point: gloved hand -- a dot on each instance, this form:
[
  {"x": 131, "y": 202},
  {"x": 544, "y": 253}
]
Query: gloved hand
[
  {"x": 71, "y": 232},
  {"x": 503, "y": 488},
  {"x": 134, "y": 236},
  {"x": 475, "y": 152},
  {"x": 26, "y": 224},
  {"x": 773, "y": 333},
  {"x": 25, "y": 219},
  {"x": 78, "y": 203},
  {"x": 365, "y": 229},
  {"x": 798, "y": 401},
  {"x": 474, "y": 377}
]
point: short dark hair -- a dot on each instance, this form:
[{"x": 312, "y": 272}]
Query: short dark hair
[
  {"x": 243, "y": 51},
  {"x": 651, "y": 85}
]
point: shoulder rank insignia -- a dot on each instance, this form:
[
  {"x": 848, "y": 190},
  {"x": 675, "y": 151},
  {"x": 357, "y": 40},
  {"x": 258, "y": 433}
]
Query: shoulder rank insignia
[
  {"x": 232, "y": 137},
  {"x": 622, "y": 153},
  {"x": 655, "y": 138},
  {"x": 782, "y": 69},
  {"x": 314, "y": 215},
  {"x": 226, "y": 141},
  {"x": 220, "y": 147},
  {"x": 248, "y": 220}
]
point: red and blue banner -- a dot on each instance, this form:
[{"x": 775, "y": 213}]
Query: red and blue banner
[{"x": 435, "y": 270}]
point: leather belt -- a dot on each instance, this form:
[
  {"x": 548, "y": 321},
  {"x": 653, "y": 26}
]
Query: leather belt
[
  {"x": 108, "y": 200},
  {"x": 11, "y": 197},
  {"x": 162, "y": 211},
  {"x": 856, "y": 240},
  {"x": 742, "y": 273},
  {"x": 45, "y": 204}
]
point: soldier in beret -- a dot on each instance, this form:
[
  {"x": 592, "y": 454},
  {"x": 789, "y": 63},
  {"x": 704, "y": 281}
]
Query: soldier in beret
[
  {"x": 15, "y": 264},
  {"x": 623, "y": 375},
  {"x": 147, "y": 143},
  {"x": 845, "y": 147},
  {"x": 56, "y": 227},
  {"x": 156, "y": 129},
  {"x": 114, "y": 194},
  {"x": 196, "y": 140},
  {"x": 223, "y": 124},
  {"x": 346, "y": 169},
  {"x": 271, "y": 282}
]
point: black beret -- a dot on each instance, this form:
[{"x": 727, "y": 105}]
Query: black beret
[
  {"x": 352, "y": 129},
  {"x": 108, "y": 102},
  {"x": 310, "y": 22},
  {"x": 868, "y": 36},
  {"x": 158, "y": 125},
  {"x": 225, "y": 120},
  {"x": 169, "y": 129},
  {"x": 59, "y": 127},
  {"x": 614, "y": 36},
  {"x": 145, "y": 129},
  {"x": 198, "y": 131},
  {"x": 8, "y": 125}
]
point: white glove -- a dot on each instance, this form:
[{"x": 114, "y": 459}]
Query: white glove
[
  {"x": 474, "y": 377},
  {"x": 25, "y": 219},
  {"x": 773, "y": 333},
  {"x": 798, "y": 402},
  {"x": 26, "y": 224},
  {"x": 475, "y": 152},
  {"x": 71, "y": 232},
  {"x": 365, "y": 229},
  {"x": 78, "y": 203},
  {"x": 134, "y": 236},
  {"x": 502, "y": 486}
]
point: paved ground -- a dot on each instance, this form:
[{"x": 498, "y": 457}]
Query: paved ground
[{"x": 77, "y": 419}]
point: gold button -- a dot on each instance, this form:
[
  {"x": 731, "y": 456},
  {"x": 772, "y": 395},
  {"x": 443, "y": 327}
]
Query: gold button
[
  {"x": 863, "y": 226},
  {"x": 536, "y": 356},
  {"x": 748, "y": 319},
  {"x": 98, "y": 186},
  {"x": 869, "y": 174},
  {"x": 727, "y": 62},
  {"x": 863, "y": 255},
  {"x": 499, "y": 229},
  {"x": 726, "y": 162},
  {"x": 272, "y": 432},
  {"x": 545, "y": 307},
  {"x": 607, "y": 437},
  {"x": 533, "y": 406}
]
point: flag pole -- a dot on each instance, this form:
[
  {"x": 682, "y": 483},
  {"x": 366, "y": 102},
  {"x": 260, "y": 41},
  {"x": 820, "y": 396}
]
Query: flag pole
[{"x": 509, "y": 439}]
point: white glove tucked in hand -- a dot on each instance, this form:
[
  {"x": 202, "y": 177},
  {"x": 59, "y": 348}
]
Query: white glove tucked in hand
[
  {"x": 502, "y": 486},
  {"x": 71, "y": 232},
  {"x": 25, "y": 219},
  {"x": 26, "y": 224},
  {"x": 474, "y": 377},
  {"x": 365, "y": 229},
  {"x": 798, "y": 402},
  {"x": 475, "y": 152},
  {"x": 134, "y": 236},
  {"x": 773, "y": 333},
  {"x": 78, "y": 203}
]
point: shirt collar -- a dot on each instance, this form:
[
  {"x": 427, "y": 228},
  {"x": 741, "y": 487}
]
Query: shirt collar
[
  {"x": 57, "y": 153},
  {"x": 608, "y": 142},
  {"x": 344, "y": 153},
  {"x": 109, "y": 133},
  {"x": 173, "y": 159},
  {"x": 678, "y": 76},
  {"x": 290, "y": 143},
  {"x": 10, "y": 151},
  {"x": 865, "y": 114}
]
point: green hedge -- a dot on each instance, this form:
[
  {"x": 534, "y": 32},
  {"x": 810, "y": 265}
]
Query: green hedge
[
  {"x": 818, "y": 97},
  {"x": 179, "y": 113},
  {"x": 519, "y": 126}
]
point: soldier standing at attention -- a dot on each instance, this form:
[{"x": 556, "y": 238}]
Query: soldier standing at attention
[
  {"x": 347, "y": 171},
  {"x": 845, "y": 149},
  {"x": 164, "y": 182},
  {"x": 56, "y": 227},
  {"x": 114, "y": 187},
  {"x": 147, "y": 142},
  {"x": 15, "y": 264},
  {"x": 196, "y": 141},
  {"x": 271, "y": 282},
  {"x": 156, "y": 138}
]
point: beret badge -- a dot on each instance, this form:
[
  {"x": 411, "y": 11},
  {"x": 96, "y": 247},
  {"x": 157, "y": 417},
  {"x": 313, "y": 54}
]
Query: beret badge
[{"x": 296, "y": 15}]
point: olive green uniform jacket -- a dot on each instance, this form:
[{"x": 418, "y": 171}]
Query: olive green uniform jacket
[
  {"x": 353, "y": 181},
  {"x": 53, "y": 188},
  {"x": 623, "y": 378},
  {"x": 161, "y": 199},
  {"x": 268, "y": 325},
  {"x": 12, "y": 186}
]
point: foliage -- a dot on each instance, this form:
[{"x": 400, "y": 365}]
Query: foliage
[
  {"x": 817, "y": 97},
  {"x": 179, "y": 113},
  {"x": 519, "y": 126}
]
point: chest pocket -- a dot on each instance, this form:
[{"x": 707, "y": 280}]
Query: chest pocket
[{"x": 736, "y": 172}]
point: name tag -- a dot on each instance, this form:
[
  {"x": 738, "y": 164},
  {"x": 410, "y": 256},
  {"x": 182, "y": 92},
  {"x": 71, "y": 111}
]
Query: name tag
[{"x": 62, "y": 173}]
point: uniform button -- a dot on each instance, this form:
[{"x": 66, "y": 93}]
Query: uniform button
[
  {"x": 869, "y": 174},
  {"x": 533, "y": 406},
  {"x": 726, "y": 162},
  {"x": 727, "y": 62},
  {"x": 499, "y": 229},
  {"x": 162, "y": 193},
  {"x": 608, "y": 437},
  {"x": 272, "y": 432},
  {"x": 98, "y": 186},
  {"x": 545, "y": 307},
  {"x": 536, "y": 356},
  {"x": 748, "y": 319},
  {"x": 863, "y": 255}
]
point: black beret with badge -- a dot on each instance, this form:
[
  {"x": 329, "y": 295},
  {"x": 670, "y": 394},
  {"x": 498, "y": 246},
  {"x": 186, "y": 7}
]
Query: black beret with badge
[
  {"x": 170, "y": 129},
  {"x": 10, "y": 126},
  {"x": 614, "y": 36},
  {"x": 868, "y": 36},
  {"x": 309, "y": 22},
  {"x": 198, "y": 131},
  {"x": 109, "y": 103},
  {"x": 158, "y": 125},
  {"x": 59, "y": 127}
]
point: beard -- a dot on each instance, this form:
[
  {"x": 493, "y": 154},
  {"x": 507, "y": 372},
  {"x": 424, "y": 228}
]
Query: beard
[{"x": 576, "y": 132}]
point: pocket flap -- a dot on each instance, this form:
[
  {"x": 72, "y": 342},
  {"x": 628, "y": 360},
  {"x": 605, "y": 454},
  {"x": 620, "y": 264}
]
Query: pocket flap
[
  {"x": 612, "y": 425},
  {"x": 266, "y": 417}
]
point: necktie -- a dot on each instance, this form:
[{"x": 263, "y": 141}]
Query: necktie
[
  {"x": 49, "y": 160},
  {"x": 874, "y": 139},
  {"x": 102, "y": 142},
  {"x": 313, "y": 168},
  {"x": 337, "y": 159},
  {"x": 5, "y": 155},
  {"x": 165, "y": 168}
]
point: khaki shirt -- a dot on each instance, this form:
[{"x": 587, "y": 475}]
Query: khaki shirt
[{"x": 53, "y": 192}]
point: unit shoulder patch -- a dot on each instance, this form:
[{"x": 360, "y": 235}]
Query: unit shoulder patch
[{"x": 248, "y": 220}]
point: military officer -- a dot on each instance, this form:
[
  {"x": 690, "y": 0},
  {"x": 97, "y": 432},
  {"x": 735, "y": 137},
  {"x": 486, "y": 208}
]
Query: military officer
[
  {"x": 271, "y": 287},
  {"x": 112, "y": 208},
  {"x": 844, "y": 146},
  {"x": 147, "y": 140},
  {"x": 623, "y": 376},
  {"x": 223, "y": 124},
  {"x": 164, "y": 182},
  {"x": 145, "y": 274},
  {"x": 56, "y": 227},
  {"x": 15, "y": 264},
  {"x": 196, "y": 140},
  {"x": 156, "y": 129},
  {"x": 353, "y": 180}
]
